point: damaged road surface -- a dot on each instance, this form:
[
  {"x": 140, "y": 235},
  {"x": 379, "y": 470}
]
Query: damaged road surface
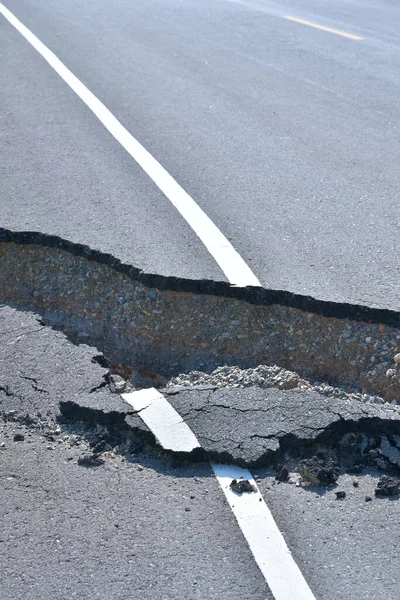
[
  {"x": 199, "y": 359},
  {"x": 138, "y": 524},
  {"x": 88, "y": 491}
]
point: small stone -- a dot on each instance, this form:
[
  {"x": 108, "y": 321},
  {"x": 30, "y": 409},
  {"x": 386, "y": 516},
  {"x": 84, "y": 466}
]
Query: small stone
[
  {"x": 368, "y": 499},
  {"x": 319, "y": 471},
  {"x": 282, "y": 473},
  {"x": 90, "y": 461},
  {"x": 18, "y": 437},
  {"x": 187, "y": 508},
  {"x": 140, "y": 468},
  {"x": 340, "y": 495},
  {"x": 117, "y": 384},
  {"x": 387, "y": 487},
  {"x": 397, "y": 358},
  {"x": 3, "y": 445},
  {"x": 355, "y": 483},
  {"x": 241, "y": 485}
]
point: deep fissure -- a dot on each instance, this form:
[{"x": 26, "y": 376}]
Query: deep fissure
[{"x": 152, "y": 328}]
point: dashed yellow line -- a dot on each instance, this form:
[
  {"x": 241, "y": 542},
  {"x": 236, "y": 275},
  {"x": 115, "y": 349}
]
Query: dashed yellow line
[{"x": 323, "y": 28}]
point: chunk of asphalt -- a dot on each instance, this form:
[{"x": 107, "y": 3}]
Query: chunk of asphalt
[
  {"x": 103, "y": 408},
  {"x": 241, "y": 485},
  {"x": 319, "y": 471},
  {"x": 340, "y": 495},
  {"x": 256, "y": 427},
  {"x": 387, "y": 487},
  {"x": 90, "y": 461},
  {"x": 282, "y": 473}
]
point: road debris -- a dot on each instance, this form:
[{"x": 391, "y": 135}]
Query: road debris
[
  {"x": 387, "y": 487},
  {"x": 90, "y": 460},
  {"x": 319, "y": 471},
  {"x": 282, "y": 473},
  {"x": 241, "y": 485},
  {"x": 340, "y": 495}
]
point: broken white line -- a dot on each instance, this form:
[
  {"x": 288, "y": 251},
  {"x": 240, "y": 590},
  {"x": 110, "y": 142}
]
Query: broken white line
[
  {"x": 162, "y": 419},
  {"x": 254, "y": 518}
]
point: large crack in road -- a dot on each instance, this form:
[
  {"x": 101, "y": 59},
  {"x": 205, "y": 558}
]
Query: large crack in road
[
  {"x": 153, "y": 327},
  {"x": 48, "y": 378}
]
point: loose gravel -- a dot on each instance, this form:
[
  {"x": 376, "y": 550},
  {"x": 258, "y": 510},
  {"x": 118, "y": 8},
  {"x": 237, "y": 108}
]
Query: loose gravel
[{"x": 265, "y": 377}]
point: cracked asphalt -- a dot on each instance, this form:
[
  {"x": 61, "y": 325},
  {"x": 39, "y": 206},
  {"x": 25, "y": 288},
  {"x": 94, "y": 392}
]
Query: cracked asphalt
[
  {"x": 141, "y": 523},
  {"x": 254, "y": 425},
  {"x": 146, "y": 521}
]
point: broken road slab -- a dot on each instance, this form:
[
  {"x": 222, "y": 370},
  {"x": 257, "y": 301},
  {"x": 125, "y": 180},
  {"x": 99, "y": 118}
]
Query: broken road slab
[
  {"x": 43, "y": 373},
  {"x": 40, "y": 367},
  {"x": 253, "y": 426}
]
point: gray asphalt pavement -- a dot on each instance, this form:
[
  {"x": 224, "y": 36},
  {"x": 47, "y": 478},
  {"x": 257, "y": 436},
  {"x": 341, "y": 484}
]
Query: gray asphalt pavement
[
  {"x": 136, "y": 526},
  {"x": 141, "y": 523},
  {"x": 120, "y": 531},
  {"x": 284, "y": 134},
  {"x": 348, "y": 548}
]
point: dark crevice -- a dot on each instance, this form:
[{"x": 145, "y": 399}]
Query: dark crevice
[
  {"x": 34, "y": 384},
  {"x": 101, "y": 386},
  {"x": 151, "y": 327},
  {"x": 254, "y": 295}
]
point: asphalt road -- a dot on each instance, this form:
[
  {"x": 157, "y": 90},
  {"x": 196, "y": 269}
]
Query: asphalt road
[
  {"x": 143, "y": 524},
  {"x": 284, "y": 134}
]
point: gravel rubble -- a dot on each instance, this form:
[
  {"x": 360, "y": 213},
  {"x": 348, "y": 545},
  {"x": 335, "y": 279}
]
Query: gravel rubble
[{"x": 265, "y": 377}]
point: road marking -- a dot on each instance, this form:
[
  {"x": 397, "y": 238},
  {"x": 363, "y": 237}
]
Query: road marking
[
  {"x": 228, "y": 259},
  {"x": 323, "y": 28},
  {"x": 162, "y": 419},
  {"x": 254, "y": 518},
  {"x": 265, "y": 541}
]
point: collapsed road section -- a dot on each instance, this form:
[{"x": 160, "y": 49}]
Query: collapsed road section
[
  {"x": 155, "y": 330},
  {"x": 153, "y": 327},
  {"x": 66, "y": 393}
]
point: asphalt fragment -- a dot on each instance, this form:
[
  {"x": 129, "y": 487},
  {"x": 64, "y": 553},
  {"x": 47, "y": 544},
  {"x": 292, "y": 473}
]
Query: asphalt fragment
[
  {"x": 319, "y": 471},
  {"x": 387, "y": 487},
  {"x": 241, "y": 485},
  {"x": 340, "y": 495},
  {"x": 90, "y": 460},
  {"x": 282, "y": 473}
]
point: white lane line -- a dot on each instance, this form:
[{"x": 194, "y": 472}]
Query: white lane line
[
  {"x": 266, "y": 542},
  {"x": 254, "y": 518},
  {"x": 162, "y": 419},
  {"x": 230, "y": 262}
]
